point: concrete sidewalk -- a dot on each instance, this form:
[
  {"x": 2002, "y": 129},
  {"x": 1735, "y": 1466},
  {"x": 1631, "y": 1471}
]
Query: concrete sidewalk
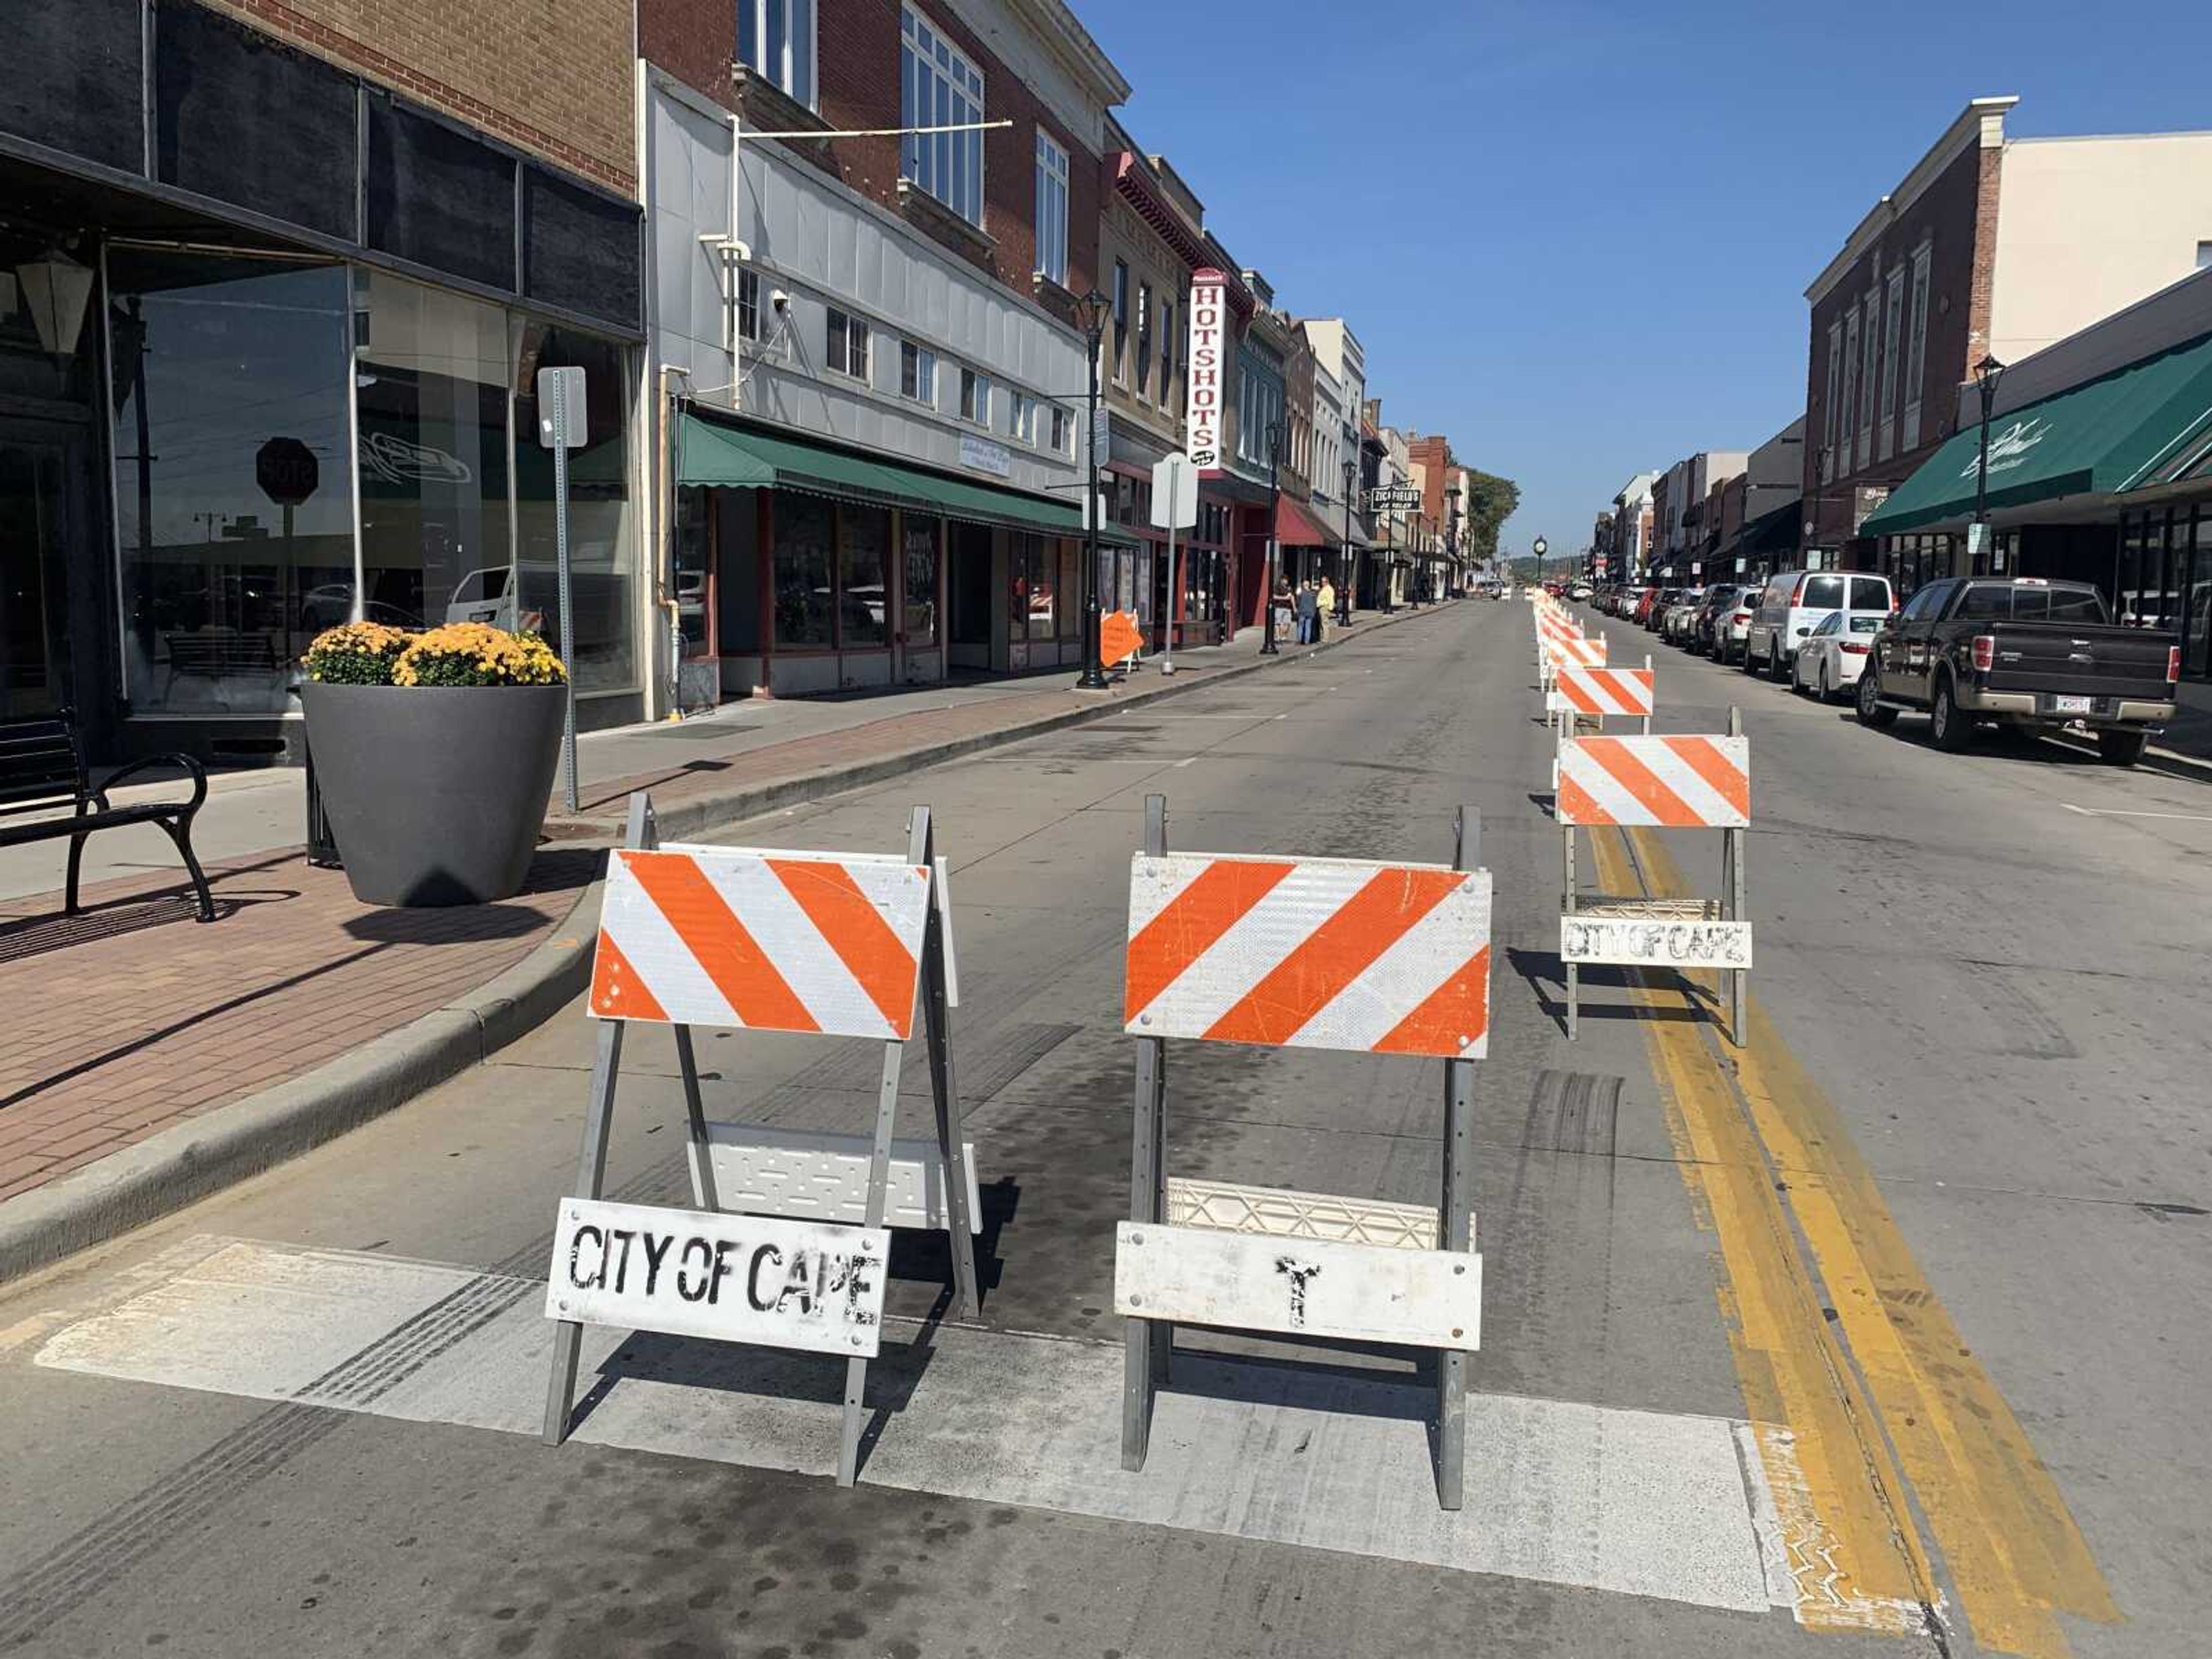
[{"x": 152, "y": 1060}]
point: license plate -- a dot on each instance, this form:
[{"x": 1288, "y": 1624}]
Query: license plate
[{"x": 2069, "y": 705}]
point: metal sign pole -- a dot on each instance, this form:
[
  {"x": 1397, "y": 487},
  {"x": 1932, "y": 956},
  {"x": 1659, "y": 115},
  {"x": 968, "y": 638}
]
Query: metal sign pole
[
  {"x": 560, "y": 414},
  {"x": 952, "y": 1149},
  {"x": 1574, "y": 968},
  {"x": 1738, "y": 980},
  {"x": 1457, "y": 1197},
  {"x": 1145, "y": 1364}
]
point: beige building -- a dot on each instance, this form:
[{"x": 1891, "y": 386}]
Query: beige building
[{"x": 2088, "y": 226}]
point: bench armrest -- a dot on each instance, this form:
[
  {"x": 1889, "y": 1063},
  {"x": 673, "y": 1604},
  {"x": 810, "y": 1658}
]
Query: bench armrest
[{"x": 184, "y": 763}]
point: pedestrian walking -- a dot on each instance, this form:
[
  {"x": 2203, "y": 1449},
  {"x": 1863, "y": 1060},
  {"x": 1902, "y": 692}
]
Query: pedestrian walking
[
  {"x": 1327, "y": 602},
  {"x": 1308, "y": 614}
]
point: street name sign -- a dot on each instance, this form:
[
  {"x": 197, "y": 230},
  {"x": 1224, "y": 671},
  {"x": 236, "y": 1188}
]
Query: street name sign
[{"x": 764, "y": 1280}]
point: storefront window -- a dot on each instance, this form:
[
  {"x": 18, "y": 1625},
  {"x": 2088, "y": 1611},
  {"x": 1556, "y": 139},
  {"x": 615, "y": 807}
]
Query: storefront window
[
  {"x": 918, "y": 599},
  {"x": 1071, "y": 589},
  {"x": 430, "y": 403},
  {"x": 1043, "y": 577},
  {"x": 802, "y": 571},
  {"x": 2198, "y": 645},
  {"x": 230, "y": 382},
  {"x": 602, "y": 556},
  {"x": 863, "y": 596},
  {"x": 694, "y": 559}
]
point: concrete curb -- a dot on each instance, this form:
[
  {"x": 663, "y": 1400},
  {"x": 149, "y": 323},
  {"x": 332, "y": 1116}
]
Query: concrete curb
[
  {"x": 180, "y": 1165},
  {"x": 218, "y": 1148}
]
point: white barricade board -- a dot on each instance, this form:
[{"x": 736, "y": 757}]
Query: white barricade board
[
  {"x": 810, "y": 1176},
  {"x": 762, "y": 940},
  {"x": 1312, "y": 953},
  {"x": 1655, "y": 942},
  {"x": 1281, "y": 1212},
  {"x": 767, "y": 1280},
  {"x": 1298, "y": 1286}
]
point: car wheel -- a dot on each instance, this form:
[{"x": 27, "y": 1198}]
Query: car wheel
[
  {"x": 1952, "y": 730},
  {"x": 1747, "y": 667},
  {"x": 2117, "y": 748},
  {"x": 1823, "y": 692},
  {"x": 1778, "y": 668},
  {"x": 1872, "y": 711}
]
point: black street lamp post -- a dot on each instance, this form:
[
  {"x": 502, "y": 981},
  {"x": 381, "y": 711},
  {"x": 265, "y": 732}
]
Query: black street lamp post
[
  {"x": 1987, "y": 373},
  {"x": 1348, "y": 566},
  {"x": 1274, "y": 522},
  {"x": 1091, "y": 310}
]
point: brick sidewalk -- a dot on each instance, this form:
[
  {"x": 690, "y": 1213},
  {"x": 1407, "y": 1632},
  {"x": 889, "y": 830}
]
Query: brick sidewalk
[{"x": 131, "y": 1017}]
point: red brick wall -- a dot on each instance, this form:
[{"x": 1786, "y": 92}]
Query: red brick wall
[
  {"x": 555, "y": 77},
  {"x": 1959, "y": 211},
  {"x": 858, "y": 68},
  {"x": 1433, "y": 454}
]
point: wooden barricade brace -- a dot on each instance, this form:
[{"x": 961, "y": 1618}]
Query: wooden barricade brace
[
  {"x": 1672, "y": 782},
  {"x": 1323, "y": 953},
  {"x": 787, "y": 1244}
]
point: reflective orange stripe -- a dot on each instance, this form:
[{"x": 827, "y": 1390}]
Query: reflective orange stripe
[
  {"x": 1215, "y": 900},
  {"x": 710, "y": 930},
  {"x": 1641, "y": 782},
  {"x": 1453, "y": 1015},
  {"x": 1703, "y": 757},
  {"x": 851, "y": 926},
  {"x": 1333, "y": 955},
  {"x": 1575, "y": 805},
  {"x": 617, "y": 993}
]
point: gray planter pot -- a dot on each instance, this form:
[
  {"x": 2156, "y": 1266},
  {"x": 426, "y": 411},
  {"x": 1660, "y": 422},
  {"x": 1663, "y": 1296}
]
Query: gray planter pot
[{"x": 436, "y": 794}]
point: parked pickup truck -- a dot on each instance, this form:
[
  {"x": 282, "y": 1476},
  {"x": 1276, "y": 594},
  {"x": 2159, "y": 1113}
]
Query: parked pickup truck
[{"x": 2033, "y": 655}]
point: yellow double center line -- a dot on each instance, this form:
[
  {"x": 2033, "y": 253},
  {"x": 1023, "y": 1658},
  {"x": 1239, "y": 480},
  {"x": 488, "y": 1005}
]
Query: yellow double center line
[{"x": 1858, "y": 1376}]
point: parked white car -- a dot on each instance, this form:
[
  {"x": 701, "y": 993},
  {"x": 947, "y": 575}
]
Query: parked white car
[
  {"x": 1793, "y": 602},
  {"x": 1830, "y": 661}
]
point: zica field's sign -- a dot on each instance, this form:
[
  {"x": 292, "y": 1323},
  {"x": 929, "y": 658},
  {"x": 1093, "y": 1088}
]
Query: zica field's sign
[
  {"x": 1209, "y": 334},
  {"x": 734, "y": 1278},
  {"x": 1634, "y": 942}
]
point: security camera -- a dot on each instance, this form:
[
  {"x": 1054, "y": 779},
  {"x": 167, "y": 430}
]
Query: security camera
[{"x": 779, "y": 299}]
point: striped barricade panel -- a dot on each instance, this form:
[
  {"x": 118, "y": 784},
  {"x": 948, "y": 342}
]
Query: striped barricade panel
[
  {"x": 1583, "y": 653},
  {"x": 1310, "y": 953},
  {"x": 1667, "y": 782},
  {"x": 1603, "y": 690},
  {"x": 760, "y": 940}
]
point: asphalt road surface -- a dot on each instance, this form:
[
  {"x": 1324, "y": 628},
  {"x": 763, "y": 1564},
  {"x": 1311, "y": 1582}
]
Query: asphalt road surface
[{"x": 1885, "y": 1335}]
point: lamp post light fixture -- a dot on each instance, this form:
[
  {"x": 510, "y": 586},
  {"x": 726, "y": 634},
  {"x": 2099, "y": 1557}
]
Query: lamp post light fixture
[
  {"x": 1987, "y": 373},
  {"x": 1348, "y": 565},
  {"x": 1091, "y": 311},
  {"x": 1274, "y": 522}
]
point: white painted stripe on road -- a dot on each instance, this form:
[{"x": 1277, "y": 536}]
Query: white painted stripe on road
[
  {"x": 2117, "y": 812},
  {"x": 1637, "y": 1502}
]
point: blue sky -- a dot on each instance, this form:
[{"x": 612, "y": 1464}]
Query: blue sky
[{"x": 1576, "y": 237}]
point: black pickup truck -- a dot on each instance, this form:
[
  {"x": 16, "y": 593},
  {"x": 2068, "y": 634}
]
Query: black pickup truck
[{"x": 2033, "y": 655}]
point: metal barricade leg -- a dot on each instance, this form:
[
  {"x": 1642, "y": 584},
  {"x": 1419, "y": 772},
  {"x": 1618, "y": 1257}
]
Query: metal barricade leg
[
  {"x": 1457, "y": 1197},
  {"x": 1144, "y": 1361},
  {"x": 591, "y": 1161},
  {"x": 952, "y": 1149},
  {"x": 1739, "y": 981},
  {"x": 703, "y": 1167},
  {"x": 1573, "y": 970}
]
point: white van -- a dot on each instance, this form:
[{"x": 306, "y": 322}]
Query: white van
[{"x": 1790, "y": 607}]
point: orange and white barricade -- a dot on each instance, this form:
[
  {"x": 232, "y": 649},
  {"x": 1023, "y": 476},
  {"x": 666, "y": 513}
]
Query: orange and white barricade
[
  {"x": 1691, "y": 782},
  {"x": 1344, "y": 954},
  {"x": 1589, "y": 696},
  {"x": 1554, "y": 636},
  {"x": 787, "y": 1244}
]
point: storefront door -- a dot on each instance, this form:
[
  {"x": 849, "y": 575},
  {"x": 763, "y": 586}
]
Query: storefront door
[{"x": 34, "y": 536}]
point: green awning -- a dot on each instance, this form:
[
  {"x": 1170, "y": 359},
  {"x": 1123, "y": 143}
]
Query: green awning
[
  {"x": 2106, "y": 436},
  {"x": 715, "y": 455}
]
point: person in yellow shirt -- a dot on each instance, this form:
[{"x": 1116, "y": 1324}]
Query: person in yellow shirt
[{"x": 1327, "y": 606}]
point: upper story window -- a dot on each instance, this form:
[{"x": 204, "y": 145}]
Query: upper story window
[
  {"x": 1025, "y": 417},
  {"x": 776, "y": 41},
  {"x": 1167, "y": 349},
  {"x": 1916, "y": 346},
  {"x": 1893, "y": 324},
  {"x": 975, "y": 396},
  {"x": 848, "y": 352},
  {"x": 1144, "y": 336},
  {"x": 1060, "y": 425},
  {"x": 1051, "y": 208},
  {"x": 939, "y": 88},
  {"x": 1832, "y": 401},
  {"x": 1120, "y": 319},
  {"x": 918, "y": 372}
]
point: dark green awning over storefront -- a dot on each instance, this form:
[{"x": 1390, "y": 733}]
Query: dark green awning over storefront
[
  {"x": 712, "y": 455},
  {"x": 2105, "y": 436}
]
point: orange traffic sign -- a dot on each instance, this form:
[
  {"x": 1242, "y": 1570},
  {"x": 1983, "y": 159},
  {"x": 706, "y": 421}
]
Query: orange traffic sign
[{"x": 1119, "y": 637}]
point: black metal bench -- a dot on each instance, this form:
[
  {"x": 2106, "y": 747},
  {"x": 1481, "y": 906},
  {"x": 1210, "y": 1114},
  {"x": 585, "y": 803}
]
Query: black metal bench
[{"x": 42, "y": 769}]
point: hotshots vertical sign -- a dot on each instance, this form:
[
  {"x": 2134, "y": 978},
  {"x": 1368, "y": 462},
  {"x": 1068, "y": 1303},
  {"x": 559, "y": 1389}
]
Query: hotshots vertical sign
[{"x": 1209, "y": 338}]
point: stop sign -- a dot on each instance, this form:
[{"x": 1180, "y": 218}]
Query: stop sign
[{"x": 285, "y": 468}]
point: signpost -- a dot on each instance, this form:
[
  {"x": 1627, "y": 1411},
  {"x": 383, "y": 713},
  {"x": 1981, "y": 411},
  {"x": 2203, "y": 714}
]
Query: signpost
[
  {"x": 1393, "y": 498},
  {"x": 1175, "y": 507},
  {"x": 561, "y": 425},
  {"x": 1204, "y": 380}
]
